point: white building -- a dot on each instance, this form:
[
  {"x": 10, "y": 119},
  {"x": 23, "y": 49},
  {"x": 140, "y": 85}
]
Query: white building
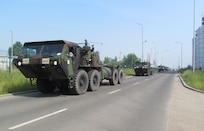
[
  {"x": 3, "y": 62},
  {"x": 199, "y": 46}
]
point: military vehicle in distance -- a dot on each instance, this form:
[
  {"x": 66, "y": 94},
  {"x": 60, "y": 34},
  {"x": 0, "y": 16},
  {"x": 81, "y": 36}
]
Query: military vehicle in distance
[
  {"x": 65, "y": 65},
  {"x": 163, "y": 68},
  {"x": 142, "y": 68}
]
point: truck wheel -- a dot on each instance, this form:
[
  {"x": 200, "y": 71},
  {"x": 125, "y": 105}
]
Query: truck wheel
[
  {"x": 114, "y": 79},
  {"x": 44, "y": 86},
  {"x": 94, "y": 80},
  {"x": 81, "y": 82},
  {"x": 120, "y": 76}
]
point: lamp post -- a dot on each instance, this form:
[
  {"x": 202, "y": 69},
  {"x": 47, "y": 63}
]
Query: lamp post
[
  {"x": 193, "y": 62},
  {"x": 163, "y": 56},
  {"x": 10, "y": 63},
  {"x": 142, "y": 37},
  {"x": 181, "y": 52}
]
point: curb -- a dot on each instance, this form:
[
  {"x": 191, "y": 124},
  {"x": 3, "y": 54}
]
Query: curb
[{"x": 189, "y": 87}]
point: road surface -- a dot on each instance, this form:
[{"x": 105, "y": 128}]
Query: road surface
[{"x": 153, "y": 103}]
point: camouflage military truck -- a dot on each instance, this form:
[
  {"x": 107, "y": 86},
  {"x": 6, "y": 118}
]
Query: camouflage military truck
[
  {"x": 65, "y": 65},
  {"x": 142, "y": 68},
  {"x": 163, "y": 68}
]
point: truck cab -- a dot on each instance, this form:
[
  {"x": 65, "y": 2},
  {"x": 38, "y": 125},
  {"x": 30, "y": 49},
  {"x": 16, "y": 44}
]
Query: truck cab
[{"x": 142, "y": 68}]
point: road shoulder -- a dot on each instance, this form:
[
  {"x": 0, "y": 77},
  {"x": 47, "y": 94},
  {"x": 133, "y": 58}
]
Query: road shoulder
[{"x": 185, "y": 109}]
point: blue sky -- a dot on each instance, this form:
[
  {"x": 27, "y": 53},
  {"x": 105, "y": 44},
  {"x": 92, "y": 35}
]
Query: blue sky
[{"x": 111, "y": 22}]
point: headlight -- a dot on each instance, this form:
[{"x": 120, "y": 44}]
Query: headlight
[
  {"x": 55, "y": 63},
  {"x": 19, "y": 63}
]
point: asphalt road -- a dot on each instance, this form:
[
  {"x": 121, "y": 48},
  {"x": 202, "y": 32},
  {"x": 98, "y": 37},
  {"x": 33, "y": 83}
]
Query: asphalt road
[{"x": 140, "y": 103}]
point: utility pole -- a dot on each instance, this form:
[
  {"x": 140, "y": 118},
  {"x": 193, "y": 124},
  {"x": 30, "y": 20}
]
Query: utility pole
[
  {"x": 142, "y": 37},
  {"x": 11, "y": 57},
  {"x": 181, "y": 53},
  {"x": 194, "y": 37}
]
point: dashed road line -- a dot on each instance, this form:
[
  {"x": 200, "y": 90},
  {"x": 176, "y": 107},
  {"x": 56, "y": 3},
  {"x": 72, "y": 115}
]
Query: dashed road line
[
  {"x": 114, "y": 91},
  {"x": 136, "y": 83},
  {"x": 37, "y": 119}
]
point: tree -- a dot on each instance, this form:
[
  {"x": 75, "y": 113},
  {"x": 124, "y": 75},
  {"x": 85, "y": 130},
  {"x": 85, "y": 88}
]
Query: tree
[
  {"x": 111, "y": 61},
  {"x": 107, "y": 60},
  {"x": 129, "y": 60},
  {"x": 98, "y": 57},
  {"x": 17, "y": 49}
]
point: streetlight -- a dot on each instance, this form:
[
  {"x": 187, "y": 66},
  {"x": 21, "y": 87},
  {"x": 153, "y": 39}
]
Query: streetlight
[
  {"x": 142, "y": 37},
  {"x": 181, "y": 51},
  {"x": 193, "y": 62},
  {"x": 163, "y": 56},
  {"x": 10, "y": 63}
]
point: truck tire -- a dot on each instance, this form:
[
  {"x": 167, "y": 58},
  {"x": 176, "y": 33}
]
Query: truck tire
[
  {"x": 114, "y": 79},
  {"x": 120, "y": 76},
  {"x": 94, "y": 80},
  {"x": 81, "y": 82},
  {"x": 44, "y": 86}
]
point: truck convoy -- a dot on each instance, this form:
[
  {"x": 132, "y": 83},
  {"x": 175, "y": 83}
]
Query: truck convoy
[
  {"x": 65, "y": 65},
  {"x": 163, "y": 68},
  {"x": 142, "y": 68}
]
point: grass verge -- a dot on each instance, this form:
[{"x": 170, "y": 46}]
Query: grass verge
[
  {"x": 128, "y": 71},
  {"x": 13, "y": 82},
  {"x": 195, "y": 80}
]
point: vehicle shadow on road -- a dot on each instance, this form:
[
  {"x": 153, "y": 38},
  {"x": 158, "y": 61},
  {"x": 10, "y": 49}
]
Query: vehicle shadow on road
[
  {"x": 37, "y": 94},
  {"x": 56, "y": 93}
]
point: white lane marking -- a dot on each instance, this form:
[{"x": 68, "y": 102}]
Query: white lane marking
[
  {"x": 146, "y": 79},
  {"x": 114, "y": 91},
  {"x": 37, "y": 119},
  {"x": 136, "y": 83}
]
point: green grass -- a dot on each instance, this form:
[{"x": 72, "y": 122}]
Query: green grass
[
  {"x": 128, "y": 71},
  {"x": 195, "y": 80},
  {"x": 13, "y": 82}
]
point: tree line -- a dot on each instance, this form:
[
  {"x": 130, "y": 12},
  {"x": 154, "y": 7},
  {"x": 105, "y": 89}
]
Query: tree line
[{"x": 127, "y": 61}]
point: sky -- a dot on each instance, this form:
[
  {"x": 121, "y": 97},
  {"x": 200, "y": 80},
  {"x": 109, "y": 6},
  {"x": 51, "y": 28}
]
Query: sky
[{"x": 110, "y": 25}]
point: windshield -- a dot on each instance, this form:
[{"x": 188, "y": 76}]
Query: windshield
[
  {"x": 141, "y": 64},
  {"x": 43, "y": 49}
]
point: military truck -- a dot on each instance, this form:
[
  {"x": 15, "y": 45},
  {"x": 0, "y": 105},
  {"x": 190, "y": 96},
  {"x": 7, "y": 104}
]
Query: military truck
[
  {"x": 163, "y": 68},
  {"x": 65, "y": 65},
  {"x": 142, "y": 68}
]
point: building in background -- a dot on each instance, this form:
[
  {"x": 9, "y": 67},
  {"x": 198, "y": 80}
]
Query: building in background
[
  {"x": 199, "y": 46},
  {"x": 4, "y": 60}
]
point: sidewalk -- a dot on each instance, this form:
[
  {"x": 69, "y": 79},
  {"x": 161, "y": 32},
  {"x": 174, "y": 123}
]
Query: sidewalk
[{"x": 185, "y": 109}]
